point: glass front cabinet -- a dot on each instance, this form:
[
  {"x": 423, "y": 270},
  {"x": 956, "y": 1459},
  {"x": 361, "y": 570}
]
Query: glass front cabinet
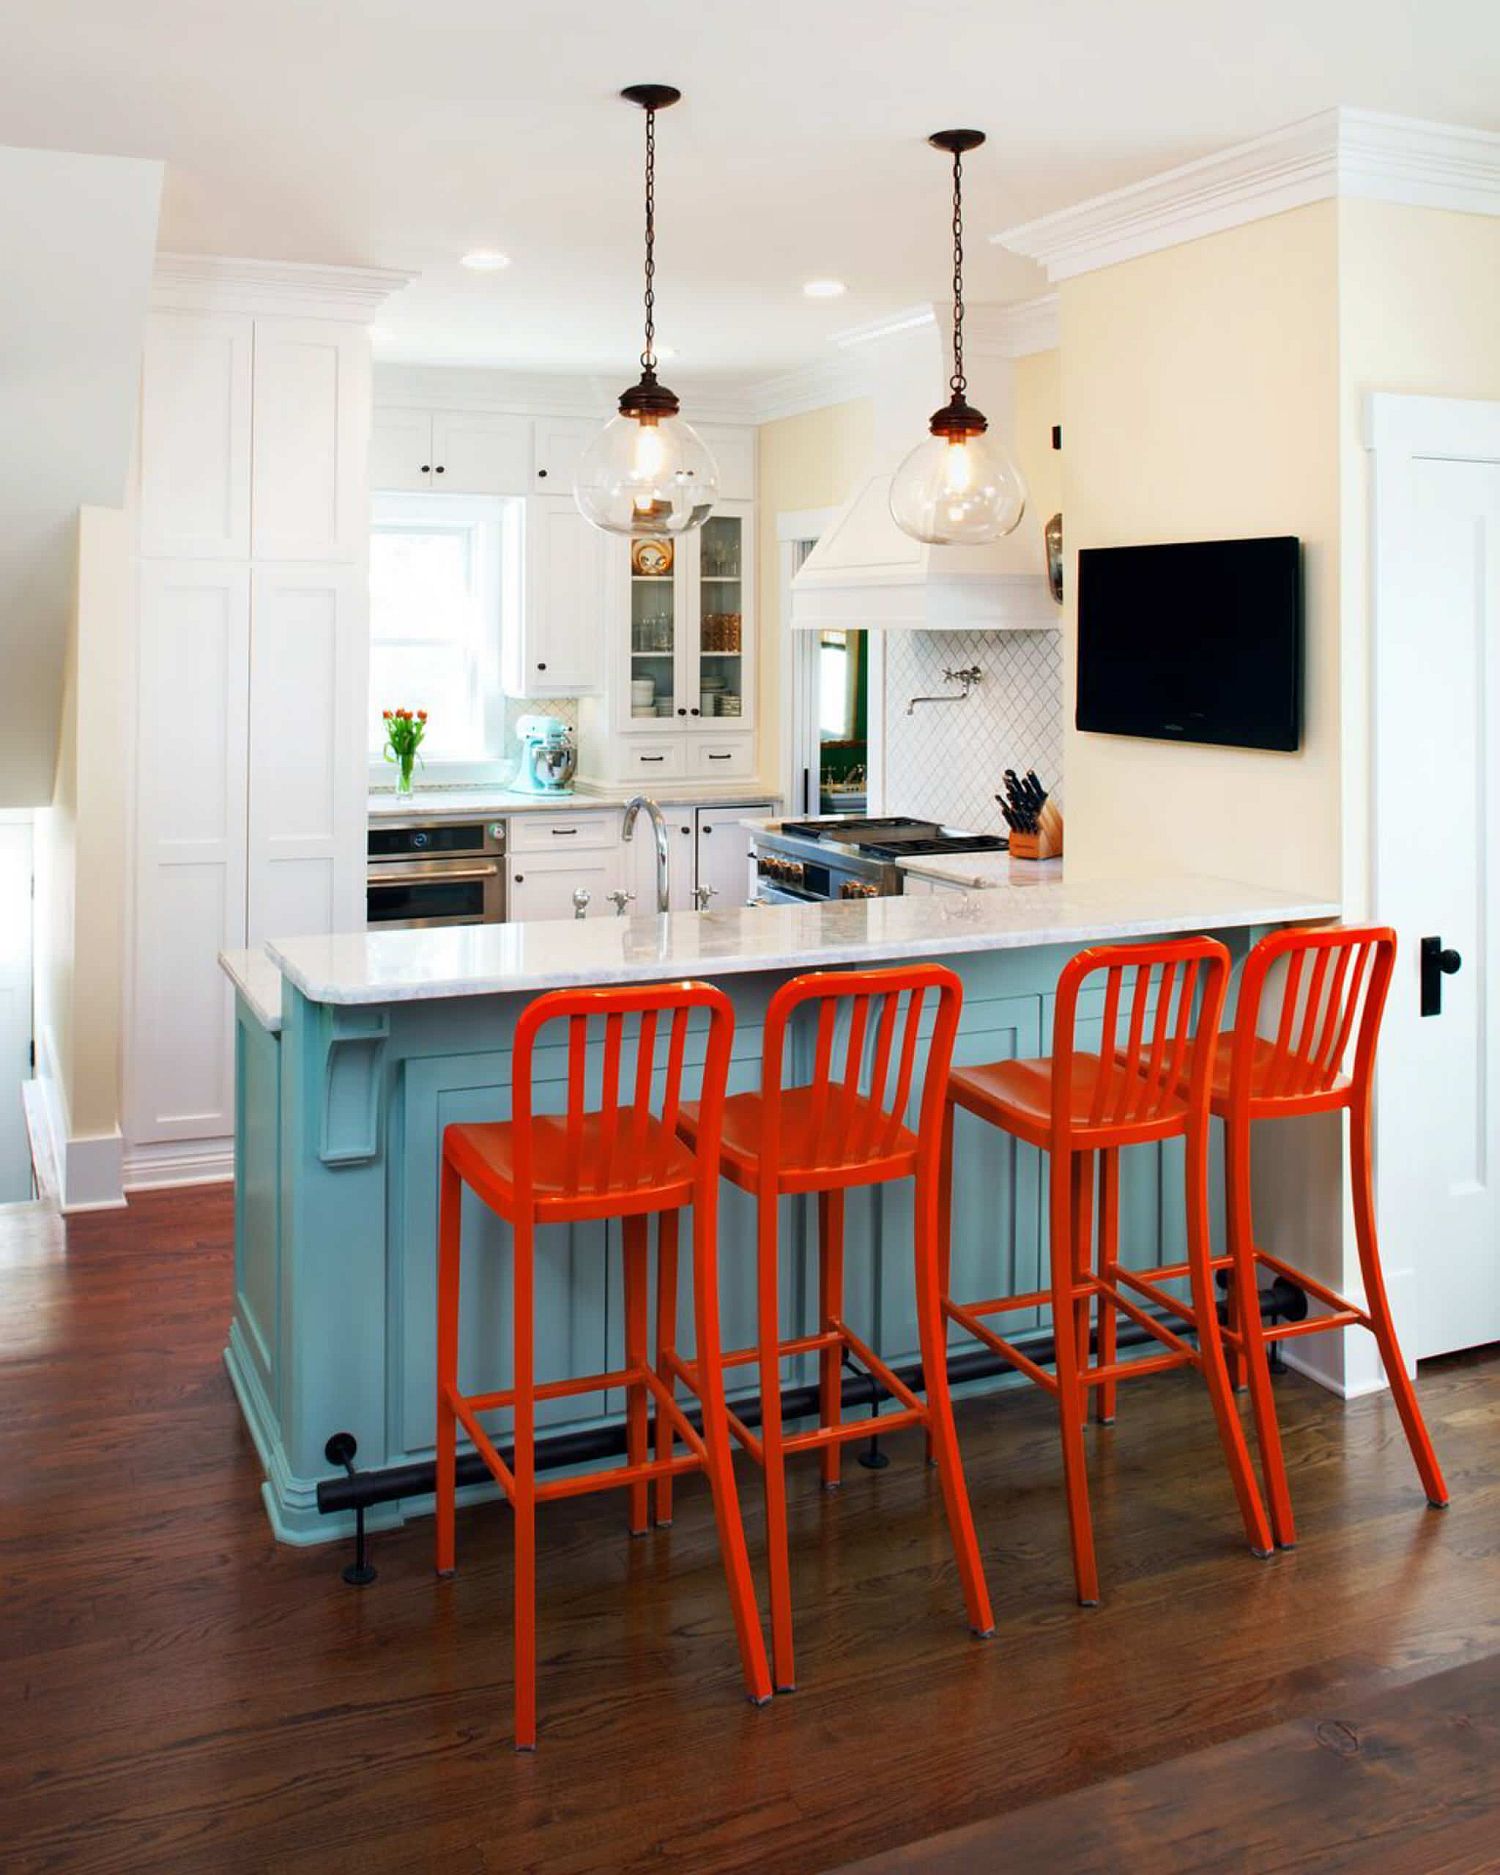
[{"x": 681, "y": 697}]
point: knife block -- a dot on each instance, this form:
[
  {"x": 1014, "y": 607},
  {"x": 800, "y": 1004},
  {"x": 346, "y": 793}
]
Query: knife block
[{"x": 1045, "y": 843}]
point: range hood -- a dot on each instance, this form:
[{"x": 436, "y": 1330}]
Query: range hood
[{"x": 865, "y": 573}]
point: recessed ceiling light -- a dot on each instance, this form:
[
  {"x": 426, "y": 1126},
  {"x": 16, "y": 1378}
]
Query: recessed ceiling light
[
  {"x": 824, "y": 289},
  {"x": 485, "y": 260}
]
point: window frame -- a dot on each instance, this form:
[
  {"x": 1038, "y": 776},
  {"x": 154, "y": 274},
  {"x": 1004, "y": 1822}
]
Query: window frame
[{"x": 498, "y": 522}]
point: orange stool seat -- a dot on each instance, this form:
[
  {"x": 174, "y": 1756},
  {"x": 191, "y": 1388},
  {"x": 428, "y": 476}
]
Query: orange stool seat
[
  {"x": 1020, "y": 1097},
  {"x": 634, "y": 1166},
  {"x": 865, "y": 1143},
  {"x": 1270, "y": 1069}
]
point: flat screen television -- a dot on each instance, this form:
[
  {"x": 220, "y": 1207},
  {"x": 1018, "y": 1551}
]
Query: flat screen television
[{"x": 1195, "y": 642}]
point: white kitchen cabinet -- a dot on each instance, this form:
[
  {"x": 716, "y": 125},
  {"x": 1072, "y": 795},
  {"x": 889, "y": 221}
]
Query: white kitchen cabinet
[
  {"x": 192, "y": 783},
  {"x": 309, "y": 656},
  {"x": 477, "y": 452},
  {"x": 557, "y": 443},
  {"x": 723, "y": 852},
  {"x": 456, "y": 452},
  {"x": 734, "y": 451},
  {"x": 559, "y": 648},
  {"x": 541, "y": 885},
  {"x": 310, "y": 435},
  {"x": 195, "y": 436}
]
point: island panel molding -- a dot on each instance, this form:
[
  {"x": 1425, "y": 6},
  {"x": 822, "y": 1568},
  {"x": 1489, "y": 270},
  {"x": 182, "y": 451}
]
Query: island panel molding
[{"x": 1338, "y": 152}]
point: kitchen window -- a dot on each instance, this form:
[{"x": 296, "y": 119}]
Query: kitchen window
[{"x": 445, "y": 584}]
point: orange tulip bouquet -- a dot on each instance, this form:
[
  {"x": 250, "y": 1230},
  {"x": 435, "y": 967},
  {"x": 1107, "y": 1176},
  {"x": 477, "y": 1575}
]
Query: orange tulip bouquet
[{"x": 404, "y": 730}]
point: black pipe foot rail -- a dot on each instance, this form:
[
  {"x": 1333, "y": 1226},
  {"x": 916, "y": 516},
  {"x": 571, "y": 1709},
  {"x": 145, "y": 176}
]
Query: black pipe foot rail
[{"x": 340, "y": 1450}]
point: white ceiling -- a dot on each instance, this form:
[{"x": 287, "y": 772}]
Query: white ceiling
[{"x": 400, "y": 133}]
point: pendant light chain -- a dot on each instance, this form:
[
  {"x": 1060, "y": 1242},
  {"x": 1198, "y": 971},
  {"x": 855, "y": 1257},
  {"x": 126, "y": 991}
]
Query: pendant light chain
[
  {"x": 958, "y": 383},
  {"x": 648, "y": 356}
]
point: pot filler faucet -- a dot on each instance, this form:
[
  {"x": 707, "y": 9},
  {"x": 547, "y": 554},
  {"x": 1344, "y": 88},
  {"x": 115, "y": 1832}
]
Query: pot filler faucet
[{"x": 659, "y": 828}]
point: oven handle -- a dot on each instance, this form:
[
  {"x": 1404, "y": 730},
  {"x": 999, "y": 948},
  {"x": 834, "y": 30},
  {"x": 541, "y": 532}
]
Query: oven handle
[{"x": 447, "y": 875}]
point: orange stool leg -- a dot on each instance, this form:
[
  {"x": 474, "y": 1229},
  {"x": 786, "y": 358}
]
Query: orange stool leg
[
  {"x": 1378, "y": 1304},
  {"x": 1244, "y": 1282},
  {"x": 666, "y": 1343},
  {"x": 1211, "y": 1349},
  {"x": 1083, "y": 1262},
  {"x": 719, "y": 1454},
  {"x": 830, "y": 1310},
  {"x": 774, "y": 1467},
  {"x": 1109, "y": 1266},
  {"x": 944, "y": 1239},
  {"x": 450, "y": 1214},
  {"x": 941, "y": 1432},
  {"x": 523, "y": 1468},
  {"x": 637, "y": 1405},
  {"x": 1069, "y": 1391}
]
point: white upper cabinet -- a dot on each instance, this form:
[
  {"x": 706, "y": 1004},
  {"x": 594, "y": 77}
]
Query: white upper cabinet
[
  {"x": 310, "y": 441},
  {"x": 560, "y": 647},
  {"x": 477, "y": 453},
  {"x": 557, "y": 443},
  {"x": 734, "y": 451},
  {"x": 401, "y": 451},
  {"x": 309, "y": 661},
  {"x": 195, "y": 437}
]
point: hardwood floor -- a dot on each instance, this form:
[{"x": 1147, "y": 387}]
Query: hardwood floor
[{"x": 181, "y": 1693}]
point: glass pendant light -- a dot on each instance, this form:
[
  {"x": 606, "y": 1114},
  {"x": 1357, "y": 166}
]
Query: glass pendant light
[
  {"x": 958, "y": 488},
  {"x": 647, "y": 473}
]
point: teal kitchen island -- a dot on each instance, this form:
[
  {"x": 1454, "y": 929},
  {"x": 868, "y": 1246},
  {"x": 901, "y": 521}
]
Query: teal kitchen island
[{"x": 354, "y": 1052}]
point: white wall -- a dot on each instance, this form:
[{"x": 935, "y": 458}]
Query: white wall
[{"x": 78, "y": 234}]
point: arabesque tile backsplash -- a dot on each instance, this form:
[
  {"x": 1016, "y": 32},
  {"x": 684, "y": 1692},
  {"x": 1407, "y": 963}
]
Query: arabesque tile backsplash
[{"x": 946, "y": 760}]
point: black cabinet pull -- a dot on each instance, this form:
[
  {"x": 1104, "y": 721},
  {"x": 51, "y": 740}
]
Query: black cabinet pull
[
  {"x": 693, "y": 712},
  {"x": 520, "y": 878},
  {"x": 682, "y": 712},
  {"x": 541, "y": 475},
  {"x": 718, "y": 758},
  {"x": 439, "y": 469},
  {"x": 1437, "y": 963},
  {"x": 687, "y": 830},
  {"x": 705, "y": 829},
  {"x": 563, "y": 833},
  {"x": 651, "y": 758},
  {"x": 541, "y": 667},
  {"x": 427, "y": 468}
]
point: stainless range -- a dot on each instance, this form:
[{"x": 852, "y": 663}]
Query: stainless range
[{"x": 810, "y": 861}]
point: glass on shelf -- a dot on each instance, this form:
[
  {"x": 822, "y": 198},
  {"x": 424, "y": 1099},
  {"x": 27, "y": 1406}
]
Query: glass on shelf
[{"x": 719, "y": 554}]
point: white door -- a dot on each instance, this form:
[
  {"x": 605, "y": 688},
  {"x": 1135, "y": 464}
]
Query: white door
[
  {"x": 195, "y": 436},
  {"x": 561, "y": 647},
  {"x": 15, "y": 1010},
  {"x": 541, "y": 885},
  {"x": 401, "y": 451},
  {"x": 310, "y": 440},
  {"x": 1436, "y": 762}
]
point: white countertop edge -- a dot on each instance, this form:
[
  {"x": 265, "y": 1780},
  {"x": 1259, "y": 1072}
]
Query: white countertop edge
[
  {"x": 491, "y": 960},
  {"x": 258, "y": 980},
  {"x": 504, "y": 802},
  {"x": 981, "y": 872}
]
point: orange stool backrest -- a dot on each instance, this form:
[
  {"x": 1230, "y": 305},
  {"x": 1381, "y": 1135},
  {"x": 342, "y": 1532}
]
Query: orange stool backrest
[
  {"x": 1162, "y": 1005},
  {"x": 1333, "y": 991},
  {"x": 638, "y": 1122},
  {"x": 861, "y": 1083}
]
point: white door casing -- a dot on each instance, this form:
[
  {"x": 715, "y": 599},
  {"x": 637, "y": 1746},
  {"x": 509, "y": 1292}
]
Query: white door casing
[
  {"x": 15, "y": 1009},
  {"x": 1435, "y": 679}
]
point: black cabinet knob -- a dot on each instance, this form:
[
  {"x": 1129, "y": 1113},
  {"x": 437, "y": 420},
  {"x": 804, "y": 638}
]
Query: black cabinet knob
[
  {"x": 541, "y": 475},
  {"x": 427, "y": 468},
  {"x": 520, "y": 878},
  {"x": 1437, "y": 962},
  {"x": 541, "y": 667},
  {"x": 439, "y": 469},
  {"x": 687, "y": 830},
  {"x": 693, "y": 712},
  {"x": 682, "y": 712}
]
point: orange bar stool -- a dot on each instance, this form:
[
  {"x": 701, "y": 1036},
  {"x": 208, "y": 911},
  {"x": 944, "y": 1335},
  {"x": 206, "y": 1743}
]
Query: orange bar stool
[
  {"x": 1332, "y": 990},
  {"x": 622, "y": 1159},
  {"x": 844, "y": 1127},
  {"x": 1148, "y": 1082}
]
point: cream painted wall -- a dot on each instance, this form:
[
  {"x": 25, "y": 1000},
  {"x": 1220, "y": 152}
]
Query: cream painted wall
[
  {"x": 1038, "y": 380},
  {"x": 81, "y": 848},
  {"x": 806, "y": 461},
  {"x": 1419, "y": 313},
  {"x": 1200, "y": 397}
]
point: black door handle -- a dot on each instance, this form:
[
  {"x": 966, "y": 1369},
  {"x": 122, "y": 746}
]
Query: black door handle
[{"x": 1437, "y": 963}]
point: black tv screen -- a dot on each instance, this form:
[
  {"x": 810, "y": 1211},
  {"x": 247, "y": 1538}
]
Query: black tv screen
[{"x": 1196, "y": 642}]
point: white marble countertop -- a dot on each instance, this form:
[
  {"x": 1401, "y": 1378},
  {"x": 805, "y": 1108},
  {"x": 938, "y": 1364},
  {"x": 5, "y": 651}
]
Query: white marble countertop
[
  {"x": 484, "y": 960},
  {"x": 259, "y": 981},
  {"x": 444, "y": 802},
  {"x": 981, "y": 871}
]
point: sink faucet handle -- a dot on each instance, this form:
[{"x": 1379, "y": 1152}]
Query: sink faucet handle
[
  {"x": 702, "y": 894},
  {"x": 581, "y": 899},
  {"x": 620, "y": 900}
]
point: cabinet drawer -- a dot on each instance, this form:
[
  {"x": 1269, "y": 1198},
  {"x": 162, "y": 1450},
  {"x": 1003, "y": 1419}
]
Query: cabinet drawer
[
  {"x": 648, "y": 759},
  {"x": 723, "y": 758},
  {"x": 562, "y": 832}
]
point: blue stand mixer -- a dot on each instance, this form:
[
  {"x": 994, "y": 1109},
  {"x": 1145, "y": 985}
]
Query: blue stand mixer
[{"x": 548, "y": 758}]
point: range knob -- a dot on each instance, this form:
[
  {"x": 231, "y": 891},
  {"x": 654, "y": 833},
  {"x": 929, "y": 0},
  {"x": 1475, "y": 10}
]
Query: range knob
[{"x": 857, "y": 888}]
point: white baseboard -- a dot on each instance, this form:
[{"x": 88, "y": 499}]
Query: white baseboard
[
  {"x": 179, "y": 1162},
  {"x": 1347, "y": 1360},
  {"x": 80, "y": 1172}
]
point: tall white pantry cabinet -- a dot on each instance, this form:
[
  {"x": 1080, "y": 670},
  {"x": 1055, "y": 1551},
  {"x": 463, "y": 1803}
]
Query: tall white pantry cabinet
[{"x": 250, "y": 768}]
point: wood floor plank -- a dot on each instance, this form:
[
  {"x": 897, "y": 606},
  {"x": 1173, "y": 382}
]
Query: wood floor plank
[{"x": 182, "y": 1693}]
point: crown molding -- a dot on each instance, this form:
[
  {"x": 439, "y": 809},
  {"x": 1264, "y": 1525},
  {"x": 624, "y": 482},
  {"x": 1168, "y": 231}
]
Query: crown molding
[
  {"x": 1340, "y": 152},
  {"x": 221, "y": 283},
  {"x": 909, "y": 319},
  {"x": 812, "y": 386},
  {"x": 1015, "y": 330},
  {"x": 590, "y": 395}
]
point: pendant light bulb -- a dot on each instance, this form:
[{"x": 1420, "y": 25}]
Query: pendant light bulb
[
  {"x": 958, "y": 487},
  {"x": 647, "y": 472}
]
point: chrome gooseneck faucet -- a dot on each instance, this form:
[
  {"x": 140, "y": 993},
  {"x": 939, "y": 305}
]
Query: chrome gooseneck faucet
[
  {"x": 659, "y": 829},
  {"x": 968, "y": 677}
]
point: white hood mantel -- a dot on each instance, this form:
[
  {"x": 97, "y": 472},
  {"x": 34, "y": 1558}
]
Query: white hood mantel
[{"x": 865, "y": 573}]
